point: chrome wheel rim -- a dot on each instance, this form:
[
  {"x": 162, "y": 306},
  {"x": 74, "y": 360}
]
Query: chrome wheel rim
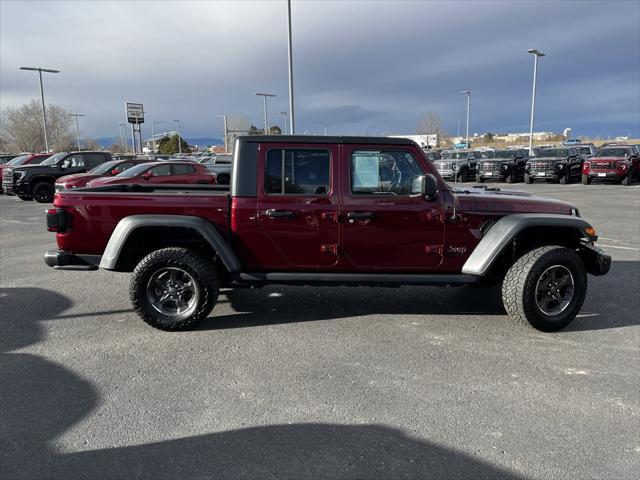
[
  {"x": 172, "y": 291},
  {"x": 554, "y": 290}
]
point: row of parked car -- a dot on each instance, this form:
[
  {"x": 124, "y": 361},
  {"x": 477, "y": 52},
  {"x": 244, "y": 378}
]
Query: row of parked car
[
  {"x": 565, "y": 164},
  {"x": 39, "y": 176}
]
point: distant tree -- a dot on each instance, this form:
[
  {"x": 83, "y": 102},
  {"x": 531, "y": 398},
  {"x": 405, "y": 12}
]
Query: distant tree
[
  {"x": 488, "y": 137},
  {"x": 89, "y": 143},
  {"x": 431, "y": 124},
  {"x": 169, "y": 145},
  {"x": 116, "y": 148},
  {"x": 253, "y": 130},
  {"x": 22, "y": 129},
  {"x": 275, "y": 130}
]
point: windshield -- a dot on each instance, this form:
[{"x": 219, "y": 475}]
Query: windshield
[
  {"x": 53, "y": 159},
  {"x": 135, "y": 171},
  {"x": 105, "y": 167},
  {"x": 19, "y": 160},
  {"x": 613, "y": 152},
  {"x": 586, "y": 150},
  {"x": 500, "y": 154},
  {"x": 553, "y": 152},
  {"x": 459, "y": 155}
]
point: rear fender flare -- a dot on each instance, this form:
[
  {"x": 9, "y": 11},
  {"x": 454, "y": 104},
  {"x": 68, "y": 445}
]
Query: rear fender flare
[
  {"x": 503, "y": 232},
  {"x": 203, "y": 227}
]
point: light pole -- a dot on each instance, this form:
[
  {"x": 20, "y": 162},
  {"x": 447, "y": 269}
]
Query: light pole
[
  {"x": 468, "y": 94},
  {"x": 285, "y": 120},
  {"x": 264, "y": 97},
  {"x": 224, "y": 118},
  {"x": 153, "y": 133},
  {"x": 292, "y": 123},
  {"x": 179, "y": 138},
  {"x": 44, "y": 113},
  {"x": 536, "y": 54},
  {"x": 76, "y": 115},
  {"x": 325, "y": 127},
  {"x": 122, "y": 142}
]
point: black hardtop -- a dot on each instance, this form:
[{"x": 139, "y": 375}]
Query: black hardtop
[{"x": 324, "y": 139}]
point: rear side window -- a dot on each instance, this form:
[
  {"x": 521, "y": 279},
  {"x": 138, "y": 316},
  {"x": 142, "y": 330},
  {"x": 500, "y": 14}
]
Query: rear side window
[
  {"x": 94, "y": 159},
  {"x": 161, "y": 171},
  {"x": 297, "y": 172},
  {"x": 385, "y": 172},
  {"x": 183, "y": 169}
]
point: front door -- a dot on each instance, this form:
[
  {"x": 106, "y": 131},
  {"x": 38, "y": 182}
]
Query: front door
[
  {"x": 387, "y": 224},
  {"x": 297, "y": 206}
]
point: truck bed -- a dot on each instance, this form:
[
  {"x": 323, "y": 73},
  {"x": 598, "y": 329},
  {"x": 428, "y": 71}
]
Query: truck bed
[{"x": 95, "y": 212}]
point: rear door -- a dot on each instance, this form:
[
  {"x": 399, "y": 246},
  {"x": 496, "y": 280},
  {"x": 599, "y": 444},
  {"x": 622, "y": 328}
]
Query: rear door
[
  {"x": 298, "y": 205},
  {"x": 183, "y": 173},
  {"x": 387, "y": 224},
  {"x": 161, "y": 174}
]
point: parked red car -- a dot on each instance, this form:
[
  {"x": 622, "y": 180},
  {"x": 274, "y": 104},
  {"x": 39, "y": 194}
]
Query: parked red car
[
  {"x": 108, "y": 169},
  {"x": 620, "y": 163},
  {"x": 26, "y": 159},
  {"x": 160, "y": 172}
]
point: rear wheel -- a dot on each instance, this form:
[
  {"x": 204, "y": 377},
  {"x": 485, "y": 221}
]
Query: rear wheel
[
  {"x": 223, "y": 179},
  {"x": 173, "y": 289},
  {"x": 42, "y": 192},
  {"x": 528, "y": 178},
  {"x": 586, "y": 180},
  {"x": 545, "y": 288}
]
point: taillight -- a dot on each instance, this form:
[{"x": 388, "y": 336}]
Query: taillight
[{"x": 57, "y": 220}]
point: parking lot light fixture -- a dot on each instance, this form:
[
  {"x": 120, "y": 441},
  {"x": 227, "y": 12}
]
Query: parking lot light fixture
[
  {"x": 266, "y": 119},
  {"x": 44, "y": 113},
  {"x": 468, "y": 94},
  {"x": 285, "y": 121},
  {"x": 325, "y": 127},
  {"x": 536, "y": 54},
  {"x": 76, "y": 115},
  {"x": 179, "y": 138},
  {"x": 226, "y": 132}
]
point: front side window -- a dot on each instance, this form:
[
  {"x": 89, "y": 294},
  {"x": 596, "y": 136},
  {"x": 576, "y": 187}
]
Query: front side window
[
  {"x": 297, "y": 172},
  {"x": 73, "y": 161},
  {"x": 161, "y": 171},
  {"x": 385, "y": 172}
]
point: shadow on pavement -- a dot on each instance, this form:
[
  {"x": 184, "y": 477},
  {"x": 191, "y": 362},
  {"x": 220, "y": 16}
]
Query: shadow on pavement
[{"x": 285, "y": 304}]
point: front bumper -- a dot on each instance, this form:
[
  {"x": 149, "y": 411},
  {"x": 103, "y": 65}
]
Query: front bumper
[
  {"x": 595, "y": 260},
  {"x": 607, "y": 175},
  {"x": 65, "y": 259}
]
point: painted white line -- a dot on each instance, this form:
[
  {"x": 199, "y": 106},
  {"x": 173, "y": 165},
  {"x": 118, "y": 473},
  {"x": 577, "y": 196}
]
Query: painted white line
[{"x": 619, "y": 247}]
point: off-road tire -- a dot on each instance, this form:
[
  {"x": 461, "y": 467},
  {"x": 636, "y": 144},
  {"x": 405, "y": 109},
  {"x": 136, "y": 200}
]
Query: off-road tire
[
  {"x": 479, "y": 179},
  {"x": 519, "y": 287},
  {"x": 586, "y": 180},
  {"x": 528, "y": 178},
  {"x": 223, "y": 179},
  {"x": 26, "y": 198},
  {"x": 43, "y": 192},
  {"x": 201, "y": 270}
]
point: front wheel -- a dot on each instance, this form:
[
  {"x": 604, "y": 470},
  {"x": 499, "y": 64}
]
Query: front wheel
[
  {"x": 564, "y": 179},
  {"x": 528, "y": 178},
  {"x": 174, "y": 289},
  {"x": 586, "y": 180},
  {"x": 627, "y": 180},
  {"x": 545, "y": 288},
  {"x": 42, "y": 192},
  {"x": 509, "y": 178},
  {"x": 479, "y": 179},
  {"x": 26, "y": 198}
]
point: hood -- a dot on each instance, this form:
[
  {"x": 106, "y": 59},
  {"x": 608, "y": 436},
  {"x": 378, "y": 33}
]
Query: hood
[
  {"x": 111, "y": 180},
  {"x": 508, "y": 201},
  {"x": 608, "y": 159},
  {"x": 34, "y": 167},
  {"x": 77, "y": 178},
  {"x": 547, "y": 159}
]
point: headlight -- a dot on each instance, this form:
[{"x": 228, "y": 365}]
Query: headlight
[
  {"x": 527, "y": 166},
  {"x": 623, "y": 166},
  {"x": 454, "y": 167},
  {"x": 18, "y": 175},
  {"x": 575, "y": 212},
  {"x": 504, "y": 166}
]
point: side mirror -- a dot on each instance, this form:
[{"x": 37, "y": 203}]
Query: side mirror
[{"x": 429, "y": 187}]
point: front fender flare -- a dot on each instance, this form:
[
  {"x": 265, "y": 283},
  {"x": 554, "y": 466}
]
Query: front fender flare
[
  {"x": 504, "y": 230},
  {"x": 128, "y": 225}
]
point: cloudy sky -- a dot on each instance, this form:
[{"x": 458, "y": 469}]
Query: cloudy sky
[{"x": 363, "y": 67}]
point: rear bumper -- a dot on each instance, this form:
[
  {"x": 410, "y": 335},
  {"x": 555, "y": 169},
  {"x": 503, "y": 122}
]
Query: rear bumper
[
  {"x": 62, "y": 259},
  {"x": 596, "y": 261}
]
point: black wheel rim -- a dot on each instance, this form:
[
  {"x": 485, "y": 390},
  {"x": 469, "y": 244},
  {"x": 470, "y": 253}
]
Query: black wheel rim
[
  {"x": 172, "y": 291},
  {"x": 43, "y": 193},
  {"x": 554, "y": 290}
]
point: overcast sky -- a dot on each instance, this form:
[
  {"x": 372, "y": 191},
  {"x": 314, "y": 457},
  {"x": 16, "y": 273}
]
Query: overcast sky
[{"x": 363, "y": 67}]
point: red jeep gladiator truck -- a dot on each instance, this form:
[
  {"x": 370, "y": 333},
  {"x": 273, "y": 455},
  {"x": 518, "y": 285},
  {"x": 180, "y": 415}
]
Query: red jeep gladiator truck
[{"x": 327, "y": 211}]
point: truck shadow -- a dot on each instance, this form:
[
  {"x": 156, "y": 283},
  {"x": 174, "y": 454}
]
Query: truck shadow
[
  {"x": 612, "y": 302},
  {"x": 40, "y": 400}
]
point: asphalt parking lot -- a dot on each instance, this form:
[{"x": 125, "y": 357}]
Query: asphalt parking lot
[{"x": 318, "y": 382}]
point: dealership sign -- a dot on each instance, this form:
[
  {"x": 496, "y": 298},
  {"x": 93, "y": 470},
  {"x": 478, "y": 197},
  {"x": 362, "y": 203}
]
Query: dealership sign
[{"x": 135, "y": 112}]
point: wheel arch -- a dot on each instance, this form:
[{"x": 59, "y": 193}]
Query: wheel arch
[
  {"x": 513, "y": 235},
  {"x": 137, "y": 235}
]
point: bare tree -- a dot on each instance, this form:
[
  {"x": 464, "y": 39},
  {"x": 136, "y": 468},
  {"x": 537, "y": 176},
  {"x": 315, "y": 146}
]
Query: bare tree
[
  {"x": 22, "y": 129},
  {"x": 90, "y": 144},
  {"x": 431, "y": 124}
]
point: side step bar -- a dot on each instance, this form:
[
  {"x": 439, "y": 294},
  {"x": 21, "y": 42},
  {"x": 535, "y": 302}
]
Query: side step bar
[{"x": 393, "y": 279}]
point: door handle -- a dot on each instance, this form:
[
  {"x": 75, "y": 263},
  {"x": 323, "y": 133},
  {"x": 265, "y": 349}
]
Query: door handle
[
  {"x": 272, "y": 213},
  {"x": 353, "y": 216}
]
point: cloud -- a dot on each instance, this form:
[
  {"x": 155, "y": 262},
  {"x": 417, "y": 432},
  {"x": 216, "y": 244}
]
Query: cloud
[{"x": 360, "y": 66}]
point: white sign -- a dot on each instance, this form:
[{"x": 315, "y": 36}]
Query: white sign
[
  {"x": 365, "y": 172},
  {"x": 135, "y": 112}
]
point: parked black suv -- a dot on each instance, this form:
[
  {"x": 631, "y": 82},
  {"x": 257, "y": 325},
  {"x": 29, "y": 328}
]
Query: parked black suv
[
  {"x": 36, "y": 181},
  {"x": 554, "y": 163},
  {"x": 507, "y": 165}
]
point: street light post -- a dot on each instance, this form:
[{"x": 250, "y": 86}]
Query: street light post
[
  {"x": 123, "y": 144},
  {"x": 292, "y": 121},
  {"x": 44, "y": 113},
  {"x": 266, "y": 120},
  {"x": 76, "y": 115},
  {"x": 325, "y": 127},
  {"x": 179, "y": 138},
  {"x": 285, "y": 120},
  {"x": 536, "y": 54},
  {"x": 224, "y": 118},
  {"x": 468, "y": 94}
]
